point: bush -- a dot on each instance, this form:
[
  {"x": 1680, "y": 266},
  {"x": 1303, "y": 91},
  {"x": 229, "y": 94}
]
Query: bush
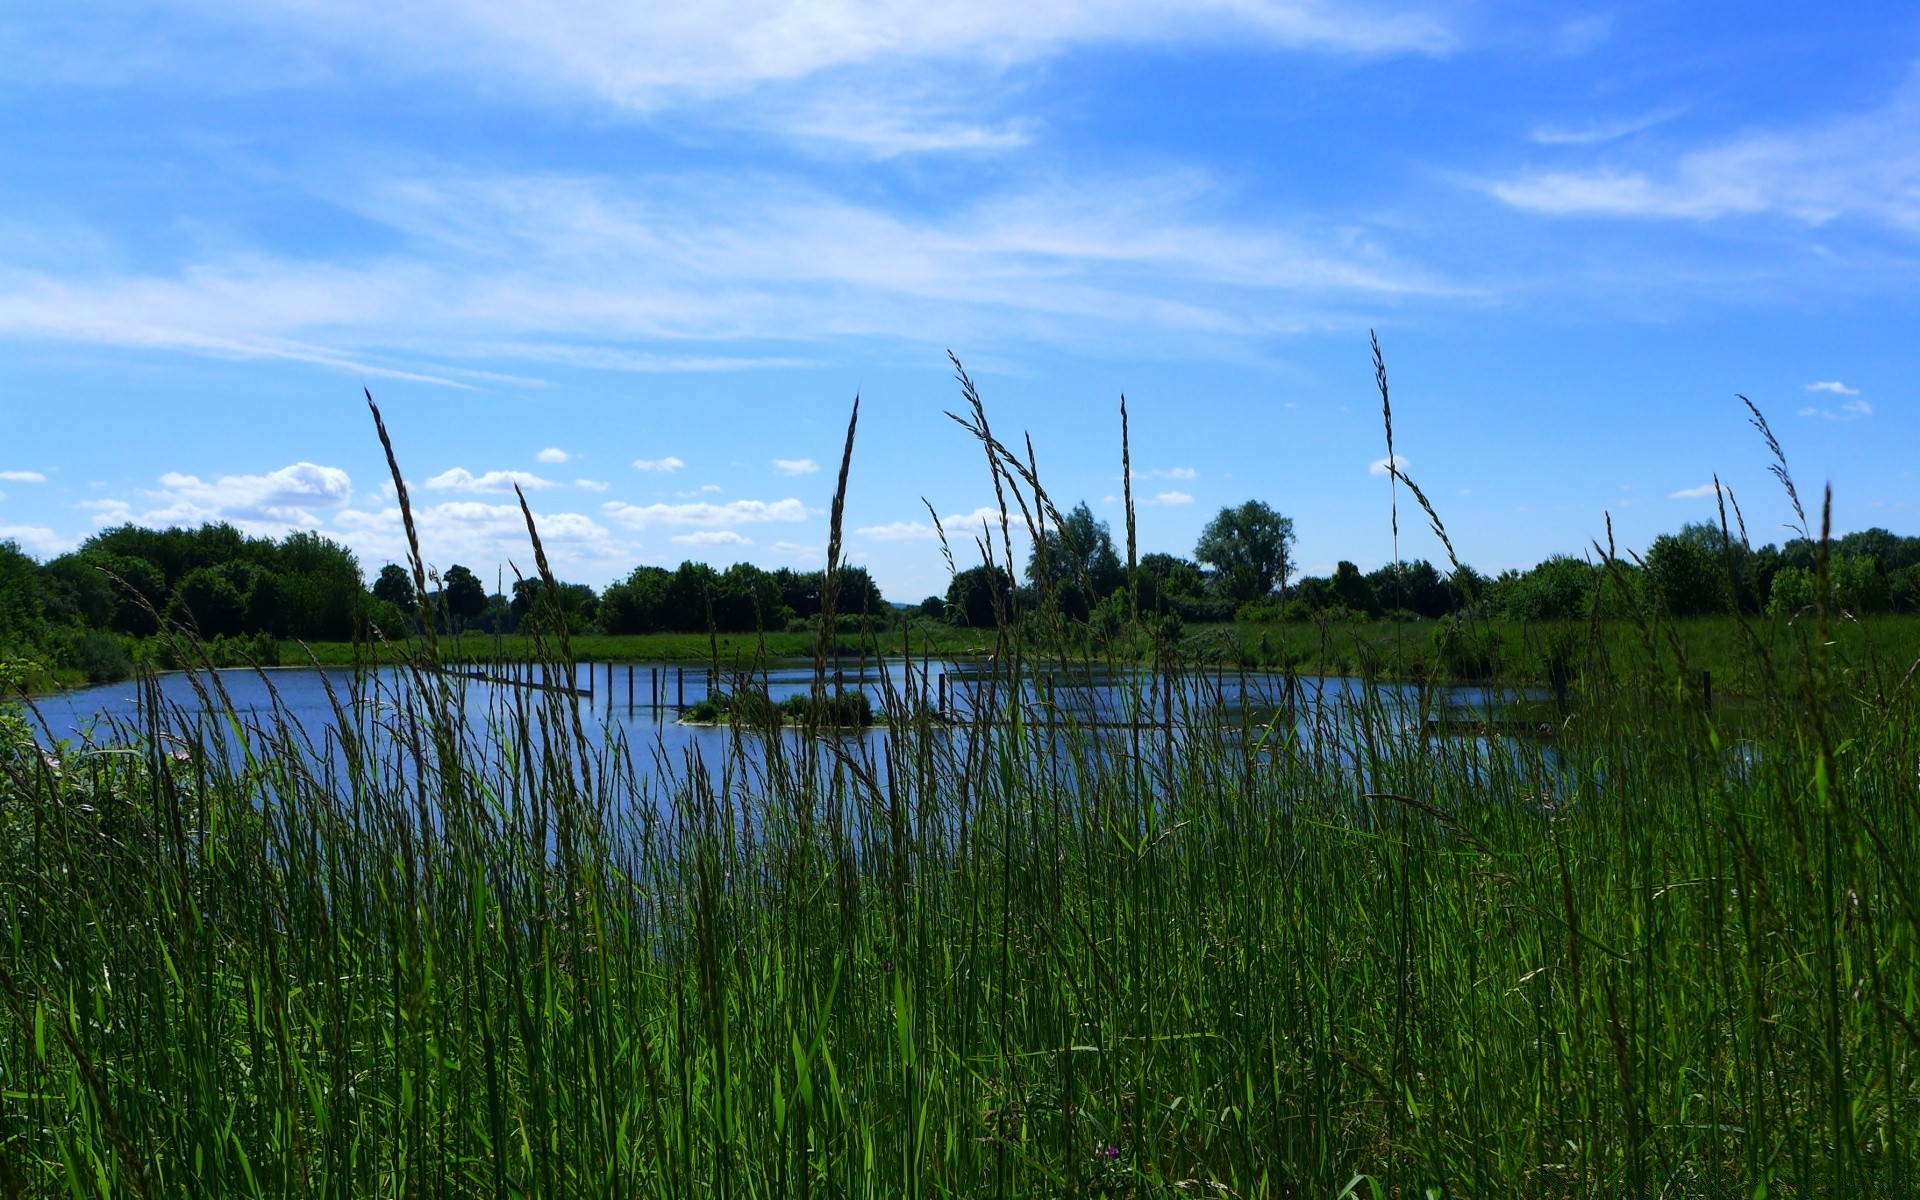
[{"x": 101, "y": 658}]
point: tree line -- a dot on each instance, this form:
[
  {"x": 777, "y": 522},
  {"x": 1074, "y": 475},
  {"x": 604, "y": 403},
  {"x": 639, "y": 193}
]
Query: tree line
[
  {"x": 79, "y": 610},
  {"x": 1242, "y": 569}
]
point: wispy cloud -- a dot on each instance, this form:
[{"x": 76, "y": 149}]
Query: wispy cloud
[
  {"x": 1168, "y": 473},
  {"x": 712, "y": 537},
  {"x": 1865, "y": 166},
  {"x": 459, "y": 479},
  {"x": 591, "y": 485},
  {"x": 1850, "y": 410},
  {"x": 1169, "y": 499},
  {"x": 1824, "y": 385},
  {"x": 22, "y": 477},
  {"x": 1598, "y": 132},
  {"x": 620, "y": 272},
  {"x": 648, "y": 56},
  {"x": 795, "y": 466},
  {"x": 1694, "y": 493},
  {"x": 960, "y": 527},
  {"x": 552, "y": 454},
  {"x": 664, "y": 466},
  {"x": 734, "y": 512},
  {"x": 1379, "y": 465}
]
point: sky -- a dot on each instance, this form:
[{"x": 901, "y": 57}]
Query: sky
[{"x": 640, "y": 258}]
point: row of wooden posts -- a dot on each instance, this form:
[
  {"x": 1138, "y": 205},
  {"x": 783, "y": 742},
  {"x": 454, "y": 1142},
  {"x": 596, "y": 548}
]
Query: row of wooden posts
[{"x": 658, "y": 680}]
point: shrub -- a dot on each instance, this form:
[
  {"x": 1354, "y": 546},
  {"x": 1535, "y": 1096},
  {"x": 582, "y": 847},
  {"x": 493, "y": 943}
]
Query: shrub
[{"x": 101, "y": 658}]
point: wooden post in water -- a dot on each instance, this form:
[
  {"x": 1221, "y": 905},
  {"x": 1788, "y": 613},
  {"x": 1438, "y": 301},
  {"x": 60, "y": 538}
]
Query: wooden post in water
[
  {"x": 629, "y": 689},
  {"x": 653, "y": 690},
  {"x": 681, "y": 687}
]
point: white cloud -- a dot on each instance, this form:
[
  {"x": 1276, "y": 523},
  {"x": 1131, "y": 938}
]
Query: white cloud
[
  {"x": 1850, "y": 410},
  {"x": 1168, "y": 473},
  {"x": 734, "y": 512},
  {"x": 1825, "y": 385},
  {"x": 1379, "y": 465},
  {"x": 480, "y": 535},
  {"x": 459, "y": 479},
  {"x": 899, "y": 531},
  {"x": 269, "y": 505},
  {"x": 608, "y": 270},
  {"x": 23, "y": 477},
  {"x": 36, "y": 540},
  {"x": 591, "y": 485},
  {"x": 664, "y": 466},
  {"x": 1867, "y": 166},
  {"x": 711, "y": 537},
  {"x": 1601, "y": 131},
  {"x": 552, "y": 454},
  {"x": 1170, "y": 498},
  {"x": 644, "y": 56},
  {"x": 797, "y": 550},
  {"x": 795, "y": 466},
  {"x": 959, "y": 527},
  {"x": 286, "y": 498},
  {"x": 1694, "y": 493}
]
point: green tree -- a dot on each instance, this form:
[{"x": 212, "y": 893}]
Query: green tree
[
  {"x": 1077, "y": 556},
  {"x": 1685, "y": 574},
  {"x": 21, "y": 613},
  {"x": 978, "y": 595},
  {"x": 395, "y": 586},
  {"x": 637, "y": 604},
  {"x": 1558, "y": 589},
  {"x": 209, "y": 602},
  {"x": 463, "y": 595},
  {"x": 1254, "y": 536}
]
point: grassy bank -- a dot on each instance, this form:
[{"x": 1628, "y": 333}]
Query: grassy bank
[
  {"x": 730, "y": 648},
  {"x": 1722, "y": 645}
]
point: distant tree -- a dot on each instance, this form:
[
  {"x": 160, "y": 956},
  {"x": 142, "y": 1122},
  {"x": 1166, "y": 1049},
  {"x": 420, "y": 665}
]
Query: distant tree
[
  {"x": 208, "y": 602},
  {"x": 1416, "y": 587},
  {"x": 933, "y": 606},
  {"x": 1254, "y": 536},
  {"x": 1558, "y": 589},
  {"x": 1075, "y": 557},
  {"x": 21, "y": 611},
  {"x": 1686, "y": 575},
  {"x": 1351, "y": 589},
  {"x": 637, "y": 604},
  {"x": 463, "y": 595},
  {"x": 395, "y": 586},
  {"x": 578, "y": 605},
  {"x": 978, "y": 595},
  {"x": 1166, "y": 579}
]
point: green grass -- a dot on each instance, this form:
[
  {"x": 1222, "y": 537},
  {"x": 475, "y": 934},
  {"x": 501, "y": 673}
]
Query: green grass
[
  {"x": 732, "y": 648},
  {"x": 1720, "y": 644},
  {"x": 1655, "y": 957}
]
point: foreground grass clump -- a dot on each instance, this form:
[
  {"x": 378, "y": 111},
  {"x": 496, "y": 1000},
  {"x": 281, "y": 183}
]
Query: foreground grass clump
[{"x": 459, "y": 948}]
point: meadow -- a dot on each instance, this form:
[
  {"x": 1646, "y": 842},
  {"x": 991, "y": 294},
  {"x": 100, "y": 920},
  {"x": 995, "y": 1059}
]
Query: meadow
[{"x": 455, "y": 947}]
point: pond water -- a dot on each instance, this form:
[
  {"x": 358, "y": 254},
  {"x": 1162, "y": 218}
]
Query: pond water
[{"x": 642, "y": 702}]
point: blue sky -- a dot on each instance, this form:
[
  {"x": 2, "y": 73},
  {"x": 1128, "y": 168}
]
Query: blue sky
[{"x": 642, "y": 256}]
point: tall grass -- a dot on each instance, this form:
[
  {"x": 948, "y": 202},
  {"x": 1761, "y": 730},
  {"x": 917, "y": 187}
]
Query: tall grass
[{"x": 459, "y": 945}]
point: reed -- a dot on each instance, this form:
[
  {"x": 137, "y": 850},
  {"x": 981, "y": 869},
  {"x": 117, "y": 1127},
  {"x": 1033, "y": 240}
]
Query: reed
[{"x": 455, "y": 945}]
